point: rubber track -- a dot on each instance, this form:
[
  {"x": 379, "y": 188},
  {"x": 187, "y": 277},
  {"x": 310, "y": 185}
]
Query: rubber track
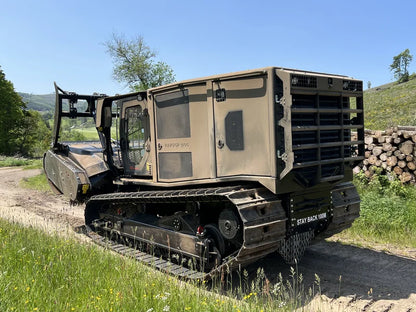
[
  {"x": 246, "y": 199},
  {"x": 152, "y": 261}
]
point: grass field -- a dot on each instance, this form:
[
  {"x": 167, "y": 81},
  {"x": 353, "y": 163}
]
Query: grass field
[
  {"x": 388, "y": 212},
  {"x": 389, "y": 105},
  {"x": 40, "y": 272}
]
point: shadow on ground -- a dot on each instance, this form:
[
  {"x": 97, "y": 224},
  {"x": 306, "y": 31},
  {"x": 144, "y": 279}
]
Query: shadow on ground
[{"x": 346, "y": 270}]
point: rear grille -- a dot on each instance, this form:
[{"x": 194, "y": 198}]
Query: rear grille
[{"x": 321, "y": 136}]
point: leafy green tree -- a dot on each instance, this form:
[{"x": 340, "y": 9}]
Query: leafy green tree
[
  {"x": 11, "y": 116},
  {"x": 22, "y": 131},
  {"x": 34, "y": 137},
  {"x": 135, "y": 64},
  {"x": 400, "y": 65}
]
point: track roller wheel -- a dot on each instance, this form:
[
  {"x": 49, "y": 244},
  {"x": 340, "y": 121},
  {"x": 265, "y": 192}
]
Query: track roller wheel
[{"x": 216, "y": 246}]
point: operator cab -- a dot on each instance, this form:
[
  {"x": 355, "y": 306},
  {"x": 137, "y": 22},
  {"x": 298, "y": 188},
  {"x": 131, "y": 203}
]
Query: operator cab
[{"x": 129, "y": 151}]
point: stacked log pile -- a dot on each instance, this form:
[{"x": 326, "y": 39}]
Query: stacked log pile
[{"x": 393, "y": 151}]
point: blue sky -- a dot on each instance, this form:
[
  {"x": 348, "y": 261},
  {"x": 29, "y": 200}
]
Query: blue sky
[{"x": 46, "y": 41}]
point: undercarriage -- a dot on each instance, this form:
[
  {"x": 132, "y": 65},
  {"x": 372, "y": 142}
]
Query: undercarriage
[{"x": 204, "y": 230}]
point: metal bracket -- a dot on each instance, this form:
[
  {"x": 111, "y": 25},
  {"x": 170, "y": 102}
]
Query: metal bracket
[{"x": 283, "y": 157}]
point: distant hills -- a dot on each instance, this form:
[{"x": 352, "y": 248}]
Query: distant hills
[
  {"x": 42, "y": 103},
  {"x": 388, "y": 105}
]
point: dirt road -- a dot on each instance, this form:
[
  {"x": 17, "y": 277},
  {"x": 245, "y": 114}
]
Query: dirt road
[
  {"x": 351, "y": 278},
  {"x": 44, "y": 210}
]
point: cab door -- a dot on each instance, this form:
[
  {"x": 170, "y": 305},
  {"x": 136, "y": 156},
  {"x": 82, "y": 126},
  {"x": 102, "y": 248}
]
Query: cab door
[
  {"x": 135, "y": 137},
  {"x": 242, "y": 130}
]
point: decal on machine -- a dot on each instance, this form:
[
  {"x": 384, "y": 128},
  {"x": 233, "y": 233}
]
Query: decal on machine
[{"x": 310, "y": 219}]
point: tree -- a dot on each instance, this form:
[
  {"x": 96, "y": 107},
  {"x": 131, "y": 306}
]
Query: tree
[
  {"x": 22, "y": 131},
  {"x": 11, "y": 116},
  {"x": 400, "y": 66},
  {"x": 135, "y": 64},
  {"x": 34, "y": 135}
]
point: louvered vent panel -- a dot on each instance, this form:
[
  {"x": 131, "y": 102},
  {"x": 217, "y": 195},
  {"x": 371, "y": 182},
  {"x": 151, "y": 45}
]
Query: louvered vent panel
[{"x": 321, "y": 136}]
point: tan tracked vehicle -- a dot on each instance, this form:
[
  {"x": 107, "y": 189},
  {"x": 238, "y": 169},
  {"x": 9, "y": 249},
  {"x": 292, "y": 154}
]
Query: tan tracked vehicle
[{"x": 217, "y": 170}]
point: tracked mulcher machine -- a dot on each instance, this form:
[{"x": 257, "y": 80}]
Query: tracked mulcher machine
[{"x": 221, "y": 170}]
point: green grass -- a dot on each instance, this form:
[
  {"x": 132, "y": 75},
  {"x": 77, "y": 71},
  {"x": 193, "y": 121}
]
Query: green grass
[
  {"x": 8, "y": 161},
  {"x": 40, "y": 272},
  {"x": 90, "y": 133},
  {"x": 389, "y": 105},
  {"x": 388, "y": 212},
  {"x": 38, "y": 183}
]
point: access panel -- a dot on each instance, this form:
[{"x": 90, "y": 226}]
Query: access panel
[
  {"x": 182, "y": 133},
  {"x": 242, "y": 127}
]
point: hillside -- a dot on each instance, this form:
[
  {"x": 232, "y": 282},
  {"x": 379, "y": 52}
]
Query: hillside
[
  {"x": 391, "y": 104},
  {"x": 43, "y": 102}
]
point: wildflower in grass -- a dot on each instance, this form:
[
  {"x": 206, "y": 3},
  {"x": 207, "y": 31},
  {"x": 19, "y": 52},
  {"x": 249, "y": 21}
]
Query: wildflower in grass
[
  {"x": 119, "y": 296},
  {"x": 187, "y": 308},
  {"x": 150, "y": 310},
  {"x": 166, "y": 308}
]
